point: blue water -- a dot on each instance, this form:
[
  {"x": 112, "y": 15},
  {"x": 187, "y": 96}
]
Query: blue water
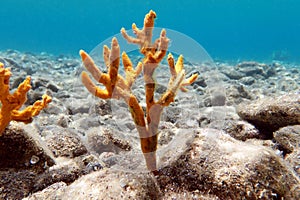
[{"x": 227, "y": 29}]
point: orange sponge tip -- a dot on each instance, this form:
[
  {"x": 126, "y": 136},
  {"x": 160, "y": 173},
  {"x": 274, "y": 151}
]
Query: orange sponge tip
[{"x": 83, "y": 54}]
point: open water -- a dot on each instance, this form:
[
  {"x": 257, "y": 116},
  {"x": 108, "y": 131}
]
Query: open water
[{"x": 227, "y": 29}]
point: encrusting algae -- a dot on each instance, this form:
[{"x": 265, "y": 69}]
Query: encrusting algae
[
  {"x": 119, "y": 87},
  {"x": 11, "y": 103}
]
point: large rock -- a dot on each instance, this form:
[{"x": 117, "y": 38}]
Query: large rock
[
  {"x": 16, "y": 185},
  {"x": 20, "y": 150},
  {"x": 63, "y": 141},
  {"x": 225, "y": 118},
  {"x": 241, "y": 130},
  {"x": 220, "y": 165},
  {"x": 22, "y": 159},
  {"x": 254, "y": 69},
  {"x": 66, "y": 170},
  {"x": 50, "y": 192},
  {"x": 270, "y": 114},
  {"x": 101, "y": 140},
  {"x": 288, "y": 139},
  {"x": 294, "y": 160},
  {"x": 105, "y": 184}
]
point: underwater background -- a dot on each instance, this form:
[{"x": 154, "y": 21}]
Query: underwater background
[
  {"x": 234, "y": 135},
  {"x": 227, "y": 29}
]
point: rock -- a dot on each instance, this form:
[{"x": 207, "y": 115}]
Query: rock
[
  {"x": 265, "y": 143},
  {"x": 233, "y": 73},
  {"x": 93, "y": 163},
  {"x": 200, "y": 82},
  {"x": 294, "y": 160},
  {"x": 237, "y": 94},
  {"x": 56, "y": 107},
  {"x": 250, "y": 69},
  {"x": 216, "y": 117},
  {"x": 172, "y": 114},
  {"x": 271, "y": 71},
  {"x": 16, "y": 185},
  {"x": 240, "y": 130},
  {"x": 2, "y": 60},
  {"x": 174, "y": 195},
  {"x": 218, "y": 99},
  {"x": 22, "y": 159},
  {"x": 85, "y": 122},
  {"x": 215, "y": 98},
  {"x": 50, "y": 192},
  {"x": 219, "y": 165},
  {"x": 288, "y": 139},
  {"x": 61, "y": 94},
  {"x": 101, "y": 107},
  {"x": 247, "y": 80},
  {"x": 62, "y": 120},
  {"x": 17, "y": 81},
  {"x": 104, "y": 140},
  {"x": 166, "y": 132},
  {"x": 11, "y": 63},
  {"x": 20, "y": 150},
  {"x": 39, "y": 82},
  {"x": 270, "y": 114},
  {"x": 53, "y": 87},
  {"x": 63, "y": 142},
  {"x": 287, "y": 84},
  {"x": 35, "y": 95},
  {"x": 66, "y": 170},
  {"x": 77, "y": 106},
  {"x": 253, "y": 69},
  {"x": 104, "y": 184}
]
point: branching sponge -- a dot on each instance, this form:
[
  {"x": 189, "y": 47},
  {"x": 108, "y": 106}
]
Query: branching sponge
[
  {"x": 12, "y": 103},
  {"x": 119, "y": 87}
]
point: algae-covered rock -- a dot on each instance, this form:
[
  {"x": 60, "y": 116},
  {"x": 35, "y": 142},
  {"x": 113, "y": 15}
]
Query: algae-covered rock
[
  {"x": 241, "y": 130},
  {"x": 105, "y": 184},
  {"x": 288, "y": 139},
  {"x": 16, "y": 185},
  {"x": 19, "y": 151},
  {"x": 270, "y": 114},
  {"x": 50, "y": 192},
  {"x": 22, "y": 159},
  {"x": 294, "y": 160},
  {"x": 64, "y": 142},
  {"x": 220, "y": 165},
  {"x": 102, "y": 140},
  {"x": 66, "y": 170},
  {"x": 188, "y": 195}
]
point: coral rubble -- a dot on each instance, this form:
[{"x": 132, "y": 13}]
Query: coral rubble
[
  {"x": 11, "y": 103},
  {"x": 119, "y": 87}
]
